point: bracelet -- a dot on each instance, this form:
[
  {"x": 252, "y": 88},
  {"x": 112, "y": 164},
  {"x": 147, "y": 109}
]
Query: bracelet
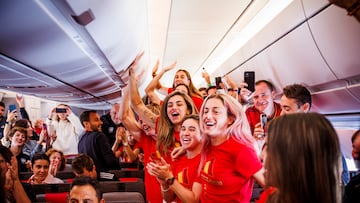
[
  {"x": 164, "y": 190},
  {"x": 154, "y": 74},
  {"x": 354, "y": 8}
]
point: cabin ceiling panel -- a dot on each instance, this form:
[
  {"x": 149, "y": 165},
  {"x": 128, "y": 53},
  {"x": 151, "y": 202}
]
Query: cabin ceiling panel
[
  {"x": 313, "y": 6},
  {"x": 32, "y": 38},
  {"x": 289, "y": 18},
  {"x": 340, "y": 48},
  {"x": 259, "y": 64},
  {"x": 296, "y": 54},
  {"x": 195, "y": 29},
  {"x": 40, "y": 58},
  {"x": 337, "y": 101},
  {"x": 119, "y": 28}
]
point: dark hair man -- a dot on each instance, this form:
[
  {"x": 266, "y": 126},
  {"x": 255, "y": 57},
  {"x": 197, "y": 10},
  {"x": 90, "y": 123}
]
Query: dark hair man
[
  {"x": 295, "y": 99},
  {"x": 95, "y": 144},
  {"x": 2, "y": 119},
  {"x": 83, "y": 165},
  {"x": 85, "y": 189}
]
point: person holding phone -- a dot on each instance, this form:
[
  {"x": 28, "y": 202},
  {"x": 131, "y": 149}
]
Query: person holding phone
[
  {"x": 264, "y": 104},
  {"x": 64, "y": 128}
]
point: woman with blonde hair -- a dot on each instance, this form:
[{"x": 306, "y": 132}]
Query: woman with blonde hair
[{"x": 230, "y": 162}]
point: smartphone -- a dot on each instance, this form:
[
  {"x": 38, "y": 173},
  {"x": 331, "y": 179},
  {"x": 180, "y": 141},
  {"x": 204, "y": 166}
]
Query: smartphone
[
  {"x": 12, "y": 107},
  {"x": 60, "y": 110},
  {"x": 46, "y": 136},
  {"x": 217, "y": 82},
  {"x": 263, "y": 120},
  {"x": 249, "y": 78}
]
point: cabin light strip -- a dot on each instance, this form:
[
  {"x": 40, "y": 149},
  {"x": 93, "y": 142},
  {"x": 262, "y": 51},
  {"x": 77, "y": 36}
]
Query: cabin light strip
[
  {"x": 61, "y": 13},
  {"x": 261, "y": 19}
]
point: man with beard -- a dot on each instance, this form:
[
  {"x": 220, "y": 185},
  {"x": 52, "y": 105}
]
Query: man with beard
[
  {"x": 111, "y": 121},
  {"x": 95, "y": 144}
]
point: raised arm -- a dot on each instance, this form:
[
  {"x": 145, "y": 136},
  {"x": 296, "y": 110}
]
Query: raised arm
[
  {"x": 150, "y": 89},
  {"x": 231, "y": 83},
  {"x": 10, "y": 119},
  {"x": 139, "y": 107},
  {"x": 23, "y": 112},
  {"x": 143, "y": 112},
  {"x": 127, "y": 116},
  {"x": 206, "y": 76},
  {"x": 155, "y": 82}
]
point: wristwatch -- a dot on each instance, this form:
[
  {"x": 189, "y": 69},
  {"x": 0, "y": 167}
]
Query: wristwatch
[{"x": 170, "y": 181}]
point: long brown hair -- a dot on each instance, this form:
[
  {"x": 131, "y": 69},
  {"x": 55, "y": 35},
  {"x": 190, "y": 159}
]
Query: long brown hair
[
  {"x": 165, "y": 129},
  {"x": 303, "y": 159}
]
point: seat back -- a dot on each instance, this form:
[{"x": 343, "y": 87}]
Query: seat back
[{"x": 123, "y": 197}]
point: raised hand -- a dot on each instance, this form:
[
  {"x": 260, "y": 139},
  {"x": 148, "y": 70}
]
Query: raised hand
[{"x": 167, "y": 68}]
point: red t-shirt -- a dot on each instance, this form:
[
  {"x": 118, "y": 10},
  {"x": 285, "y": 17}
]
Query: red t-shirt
[
  {"x": 227, "y": 172},
  {"x": 253, "y": 115},
  {"x": 198, "y": 101},
  {"x": 186, "y": 170},
  {"x": 152, "y": 186}
]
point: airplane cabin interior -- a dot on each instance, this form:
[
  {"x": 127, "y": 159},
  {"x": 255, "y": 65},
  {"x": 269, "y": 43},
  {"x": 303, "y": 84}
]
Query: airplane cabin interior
[{"x": 79, "y": 52}]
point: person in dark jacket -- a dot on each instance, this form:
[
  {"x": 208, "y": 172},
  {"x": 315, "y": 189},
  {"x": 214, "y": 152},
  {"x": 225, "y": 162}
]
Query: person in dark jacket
[
  {"x": 95, "y": 144},
  {"x": 2, "y": 119}
]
